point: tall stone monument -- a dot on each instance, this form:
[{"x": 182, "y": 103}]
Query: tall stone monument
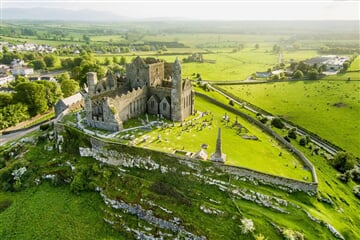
[{"x": 218, "y": 155}]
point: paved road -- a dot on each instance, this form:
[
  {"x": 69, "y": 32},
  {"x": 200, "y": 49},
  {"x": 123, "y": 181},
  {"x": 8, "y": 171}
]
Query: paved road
[
  {"x": 16, "y": 135},
  {"x": 313, "y": 139},
  {"x": 20, "y": 133}
]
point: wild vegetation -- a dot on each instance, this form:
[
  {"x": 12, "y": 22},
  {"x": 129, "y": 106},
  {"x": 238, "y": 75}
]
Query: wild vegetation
[
  {"x": 65, "y": 183},
  {"x": 85, "y": 198}
]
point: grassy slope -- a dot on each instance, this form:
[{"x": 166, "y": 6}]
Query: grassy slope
[
  {"x": 311, "y": 105},
  {"x": 47, "y": 212},
  {"x": 261, "y": 155},
  {"x": 81, "y": 216}
]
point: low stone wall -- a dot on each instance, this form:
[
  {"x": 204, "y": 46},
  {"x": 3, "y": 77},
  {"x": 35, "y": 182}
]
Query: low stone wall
[
  {"x": 266, "y": 129},
  {"x": 289, "y": 184},
  {"x": 121, "y": 154}
]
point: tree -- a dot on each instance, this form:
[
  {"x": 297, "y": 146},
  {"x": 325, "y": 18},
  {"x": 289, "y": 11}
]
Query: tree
[
  {"x": 86, "y": 39},
  {"x": 313, "y": 74},
  {"x": 33, "y": 95},
  {"x": 298, "y": 74},
  {"x": 343, "y": 161},
  {"x": 346, "y": 65},
  {"x": 13, "y": 114},
  {"x": 107, "y": 61},
  {"x": 50, "y": 60},
  {"x": 88, "y": 66},
  {"x": 5, "y": 99},
  {"x": 19, "y": 79},
  {"x": 257, "y": 46},
  {"x": 67, "y": 63},
  {"x": 303, "y": 67},
  {"x": 122, "y": 60},
  {"x": 53, "y": 92},
  {"x": 276, "y": 122},
  {"x": 275, "y": 77},
  {"x": 64, "y": 76},
  {"x": 38, "y": 64},
  {"x": 115, "y": 59},
  {"x": 7, "y": 57},
  {"x": 69, "y": 87}
]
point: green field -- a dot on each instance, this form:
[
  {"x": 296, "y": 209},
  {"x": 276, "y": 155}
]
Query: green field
[
  {"x": 330, "y": 109},
  {"x": 261, "y": 155},
  {"x": 47, "y": 212}
]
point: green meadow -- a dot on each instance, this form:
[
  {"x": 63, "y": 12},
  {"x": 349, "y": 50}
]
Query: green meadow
[
  {"x": 264, "y": 154},
  {"x": 330, "y": 109},
  {"x": 48, "y": 212}
]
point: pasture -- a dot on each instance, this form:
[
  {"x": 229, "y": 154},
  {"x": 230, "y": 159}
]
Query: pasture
[{"x": 330, "y": 109}]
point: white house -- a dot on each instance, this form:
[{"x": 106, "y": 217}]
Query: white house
[
  {"x": 24, "y": 71},
  {"x": 5, "y": 79}
]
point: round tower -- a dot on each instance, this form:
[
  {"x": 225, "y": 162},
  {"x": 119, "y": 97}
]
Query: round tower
[
  {"x": 91, "y": 82},
  {"x": 176, "y": 92}
]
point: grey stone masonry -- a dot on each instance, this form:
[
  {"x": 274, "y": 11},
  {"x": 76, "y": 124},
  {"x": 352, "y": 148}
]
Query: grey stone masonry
[
  {"x": 147, "y": 88},
  {"x": 218, "y": 156}
]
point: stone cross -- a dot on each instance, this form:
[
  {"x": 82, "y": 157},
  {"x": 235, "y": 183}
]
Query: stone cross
[{"x": 218, "y": 156}]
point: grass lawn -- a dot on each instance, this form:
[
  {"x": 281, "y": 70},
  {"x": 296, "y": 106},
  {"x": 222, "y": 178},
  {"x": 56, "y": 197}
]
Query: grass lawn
[
  {"x": 355, "y": 65},
  {"x": 261, "y": 155},
  {"x": 47, "y": 212},
  {"x": 330, "y": 109}
]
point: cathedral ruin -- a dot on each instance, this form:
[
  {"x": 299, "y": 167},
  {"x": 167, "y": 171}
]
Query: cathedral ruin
[{"x": 150, "y": 86}]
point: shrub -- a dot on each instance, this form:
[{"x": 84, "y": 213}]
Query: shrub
[
  {"x": 263, "y": 120},
  {"x": 343, "y": 161},
  {"x": 356, "y": 191},
  {"x": 287, "y": 138},
  {"x": 44, "y": 126},
  {"x": 303, "y": 141},
  {"x": 166, "y": 189},
  {"x": 355, "y": 174},
  {"x": 276, "y": 122},
  {"x": 292, "y": 133},
  {"x": 231, "y": 102},
  {"x": 344, "y": 177}
]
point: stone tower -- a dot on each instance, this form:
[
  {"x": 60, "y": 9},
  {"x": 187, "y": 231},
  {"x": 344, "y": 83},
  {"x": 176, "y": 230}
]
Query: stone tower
[
  {"x": 218, "y": 156},
  {"x": 176, "y": 92},
  {"x": 91, "y": 82}
]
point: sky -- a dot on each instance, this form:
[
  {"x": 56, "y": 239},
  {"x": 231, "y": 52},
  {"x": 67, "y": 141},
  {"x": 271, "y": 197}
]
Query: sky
[{"x": 208, "y": 9}]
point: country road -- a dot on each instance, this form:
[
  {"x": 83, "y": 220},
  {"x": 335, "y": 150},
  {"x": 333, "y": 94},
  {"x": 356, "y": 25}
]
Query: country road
[{"x": 13, "y": 136}]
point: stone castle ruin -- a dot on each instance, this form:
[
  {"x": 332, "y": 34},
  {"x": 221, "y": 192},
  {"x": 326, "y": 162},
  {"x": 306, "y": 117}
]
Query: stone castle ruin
[{"x": 150, "y": 86}]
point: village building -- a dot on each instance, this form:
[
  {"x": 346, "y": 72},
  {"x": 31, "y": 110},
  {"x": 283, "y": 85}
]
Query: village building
[
  {"x": 70, "y": 103},
  {"x": 150, "y": 86}
]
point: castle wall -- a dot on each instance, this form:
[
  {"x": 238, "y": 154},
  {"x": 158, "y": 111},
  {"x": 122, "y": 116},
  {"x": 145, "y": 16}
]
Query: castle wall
[
  {"x": 161, "y": 92},
  {"x": 100, "y": 151},
  {"x": 156, "y": 72},
  {"x": 165, "y": 108},
  {"x": 187, "y": 99},
  {"x": 131, "y": 104},
  {"x": 153, "y": 106},
  {"x": 138, "y": 74}
]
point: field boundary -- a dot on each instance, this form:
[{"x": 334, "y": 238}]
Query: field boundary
[
  {"x": 100, "y": 147},
  {"x": 266, "y": 129},
  {"x": 262, "y": 111}
]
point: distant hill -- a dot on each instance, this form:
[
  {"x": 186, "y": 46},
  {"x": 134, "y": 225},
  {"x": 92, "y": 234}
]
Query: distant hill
[{"x": 59, "y": 14}]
